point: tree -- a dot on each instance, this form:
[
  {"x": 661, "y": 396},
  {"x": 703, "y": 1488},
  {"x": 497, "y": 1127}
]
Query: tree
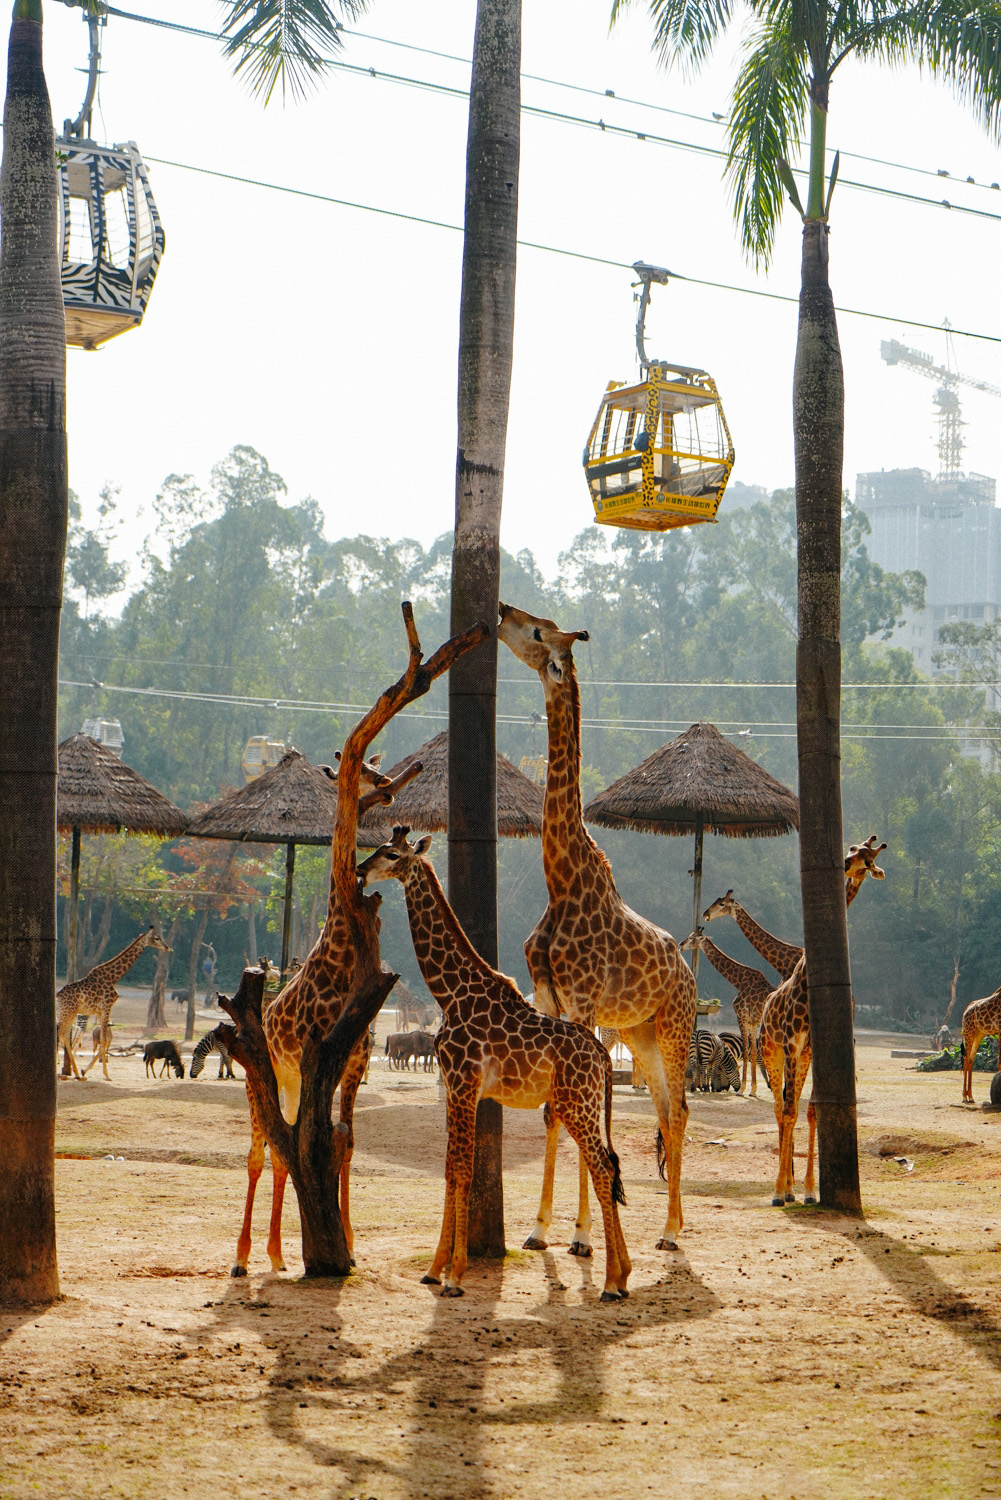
[
  {"x": 280, "y": 43},
  {"x": 792, "y": 51},
  {"x": 33, "y": 521}
]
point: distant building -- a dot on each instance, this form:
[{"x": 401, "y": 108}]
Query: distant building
[{"x": 949, "y": 530}]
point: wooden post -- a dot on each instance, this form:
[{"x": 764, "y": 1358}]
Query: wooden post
[
  {"x": 71, "y": 944},
  {"x": 697, "y": 874},
  {"x": 287, "y": 913}
]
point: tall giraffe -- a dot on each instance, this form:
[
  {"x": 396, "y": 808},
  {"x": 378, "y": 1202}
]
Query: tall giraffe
[
  {"x": 493, "y": 1045},
  {"x": 753, "y": 990},
  {"x": 590, "y": 956},
  {"x": 313, "y": 996},
  {"x": 980, "y": 1018},
  {"x": 94, "y": 995},
  {"x": 783, "y": 957},
  {"x": 786, "y": 1046}
]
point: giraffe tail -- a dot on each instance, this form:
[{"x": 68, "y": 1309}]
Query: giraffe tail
[
  {"x": 661, "y": 1156},
  {"x": 618, "y": 1191}
]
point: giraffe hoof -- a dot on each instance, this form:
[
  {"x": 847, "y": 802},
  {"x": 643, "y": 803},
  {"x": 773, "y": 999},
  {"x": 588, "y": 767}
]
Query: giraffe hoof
[
  {"x": 610, "y": 1297},
  {"x": 790, "y": 1197},
  {"x": 812, "y": 1198},
  {"x": 778, "y": 1202},
  {"x": 452, "y": 1291},
  {"x": 534, "y": 1244},
  {"x": 430, "y": 1281},
  {"x": 666, "y": 1244},
  {"x": 238, "y": 1270},
  {"x": 584, "y": 1251}
]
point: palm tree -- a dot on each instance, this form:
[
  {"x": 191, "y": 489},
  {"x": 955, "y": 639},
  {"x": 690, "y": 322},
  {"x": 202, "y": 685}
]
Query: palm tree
[
  {"x": 33, "y": 521},
  {"x": 792, "y": 51},
  {"x": 282, "y": 42}
]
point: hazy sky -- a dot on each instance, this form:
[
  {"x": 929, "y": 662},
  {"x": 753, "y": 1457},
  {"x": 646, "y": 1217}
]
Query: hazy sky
[{"x": 325, "y": 336}]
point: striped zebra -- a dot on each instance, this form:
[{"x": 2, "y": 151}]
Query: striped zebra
[
  {"x": 211, "y": 1043},
  {"x": 725, "y": 1072},
  {"x": 703, "y": 1052}
]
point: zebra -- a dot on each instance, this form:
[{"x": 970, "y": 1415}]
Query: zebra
[
  {"x": 211, "y": 1043},
  {"x": 703, "y": 1052},
  {"x": 725, "y": 1071}
]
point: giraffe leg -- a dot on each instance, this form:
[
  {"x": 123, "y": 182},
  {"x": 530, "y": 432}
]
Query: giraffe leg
[
  {"x": 97, "y": 1054},
  {"x": 580, "y": 1244},
  {"x": 279, "y": 1176},
  {"x": 537, "y": 1239},
  {"x": 752, "y": 1050},
  {"x": 970, "y": 1048},
  {"x": 745, "y": 1043},
  {"x": 664, "y": 1059},
  {"x": 255, "y": 1165},
  {"x": 64, "y": 1040},
  {"x": 771, "y": 1056},
  {"x": 462, "y": 1141},
  {"x": 582, "y": 1118},
  {"x": 796, "y": 1071},
  {"x": 809, "y": 1185}
]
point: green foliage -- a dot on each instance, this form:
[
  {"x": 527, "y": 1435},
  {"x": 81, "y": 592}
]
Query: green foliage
[{"x": 282, "y": 41}]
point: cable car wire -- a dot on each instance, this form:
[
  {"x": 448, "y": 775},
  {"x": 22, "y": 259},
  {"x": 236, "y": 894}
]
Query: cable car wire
[{"x": 598, "y": 260}]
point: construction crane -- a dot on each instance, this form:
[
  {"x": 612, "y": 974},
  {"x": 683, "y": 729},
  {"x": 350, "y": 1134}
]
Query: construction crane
[{"x": 950, "y": 419}]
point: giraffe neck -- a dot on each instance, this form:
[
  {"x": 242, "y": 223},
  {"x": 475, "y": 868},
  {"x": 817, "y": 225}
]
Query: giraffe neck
[
  {"x": 782, "y": 956},
  {"x": 441, "y": 945},
  {"x": 113, "y": 968},
  {"x": 853, "y": 884},
  {"x": 738, "y": 974},
  {"x": 567, "y": 847}
]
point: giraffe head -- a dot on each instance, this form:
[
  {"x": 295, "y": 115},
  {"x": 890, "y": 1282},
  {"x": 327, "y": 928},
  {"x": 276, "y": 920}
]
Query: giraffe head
[
  {"x": 693, "y": 940},
  {"x": 395, "y": 860},
  {"x": 860, "y": 860},
  {"x": 723, "y": 906},
  {"x": 372, "y": 779},
  {"x": 540, "y": 644},
  {"x": 156, "y": 941}
]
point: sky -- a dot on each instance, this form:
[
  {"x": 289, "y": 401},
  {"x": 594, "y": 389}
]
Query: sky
[{"x": 326, "y": 336}]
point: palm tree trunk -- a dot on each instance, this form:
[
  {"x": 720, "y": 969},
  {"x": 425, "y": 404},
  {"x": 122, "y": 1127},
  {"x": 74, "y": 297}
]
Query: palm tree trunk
[
  {"x": 486, "y": 339},
  {"x": 818, "y": 425},
  {"x": 196, "y": 948},
  {"x": 33, "y": 518}
]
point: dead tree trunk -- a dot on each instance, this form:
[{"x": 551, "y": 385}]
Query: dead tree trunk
[{"x": 312, "y": 1149}]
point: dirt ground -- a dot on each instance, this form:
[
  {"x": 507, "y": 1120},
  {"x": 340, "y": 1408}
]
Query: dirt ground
[{"x": 779, "y": 1353}]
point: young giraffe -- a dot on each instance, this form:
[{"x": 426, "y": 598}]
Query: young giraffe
[
  {"x": 313, "y": 996},
  {"x": 752, "y": 989},
  {"x": 590, "y": 956},
  {"x": 493, "y": 1045},
  {"x": 980, "y": 1018},
  {"x": 786, "y": 1046},
  {"x": 783, "y": 957},
  {"x": 94, "y": 995}
]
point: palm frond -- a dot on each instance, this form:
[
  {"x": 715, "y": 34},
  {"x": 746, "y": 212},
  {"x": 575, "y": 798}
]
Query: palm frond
[
  {"x": 768, "y": 110},
  {"x": 955, "y": 40},
  {"x": 684, "y": 31},
  {"x": 283, "y": 41}
]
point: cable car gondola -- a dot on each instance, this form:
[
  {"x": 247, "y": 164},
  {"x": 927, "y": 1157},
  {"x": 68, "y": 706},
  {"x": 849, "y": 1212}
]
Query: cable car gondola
[
  {"x": 110, "y": 237},
  {"x": 659, "y": 453}
]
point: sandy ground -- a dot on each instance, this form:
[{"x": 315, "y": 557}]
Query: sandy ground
[{"x": 779, "y": 1353}]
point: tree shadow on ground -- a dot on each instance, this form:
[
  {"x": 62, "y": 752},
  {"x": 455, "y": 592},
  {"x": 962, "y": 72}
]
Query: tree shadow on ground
[{"x": 447, "y": 1369}]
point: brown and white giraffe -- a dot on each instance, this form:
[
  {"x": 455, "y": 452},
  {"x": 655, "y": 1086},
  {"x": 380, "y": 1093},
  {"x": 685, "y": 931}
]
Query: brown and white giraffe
[
  {"x": 753, "y": 990},
  {"x": 783, "y": 957},
  {"x": 493, "y": 1045},
  {"x": 786, "y": 1046},
  {"x": 313, "y": 996},
  {"x": 94, "y": 995},
  {"x": 980, "y": 1018},
  {"x": 590, "y": 956}
]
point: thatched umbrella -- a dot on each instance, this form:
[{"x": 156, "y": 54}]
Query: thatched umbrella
[
  {"x": 98, "y": 793},
  {"x": 424, "y": 803},
  {"x": 700, "y": 783},
  {"x": 292, "y": 803}
]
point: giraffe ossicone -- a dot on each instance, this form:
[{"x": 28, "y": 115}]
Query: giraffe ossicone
[{"x": 492, "y": 1044}]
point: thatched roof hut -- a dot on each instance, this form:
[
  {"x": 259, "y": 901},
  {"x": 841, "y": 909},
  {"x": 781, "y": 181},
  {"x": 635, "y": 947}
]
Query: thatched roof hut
[
  {"x": 699, "y": 777},
  {"x": 98, "y": 793},
  {"x": 423, "y": 803},
  {"x": 292, "y": 803}
]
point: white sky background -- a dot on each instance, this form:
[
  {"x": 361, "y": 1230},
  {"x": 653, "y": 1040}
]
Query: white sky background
[{"x": 326, "y": 337}]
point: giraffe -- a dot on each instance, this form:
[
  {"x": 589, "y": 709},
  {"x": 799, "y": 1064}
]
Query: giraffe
[
  {"x": 786, "y": 1047},
  {"x": 94, "y": 995},
  {"x": 493, "y": 1045},
  {"x": 783, "y": 957},
  {"x": 313, "y": 996},
  {"x": 980, "y": 1018},
  {"x": 752, "y": 989},
  {"x": 590, "y": 956}
]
